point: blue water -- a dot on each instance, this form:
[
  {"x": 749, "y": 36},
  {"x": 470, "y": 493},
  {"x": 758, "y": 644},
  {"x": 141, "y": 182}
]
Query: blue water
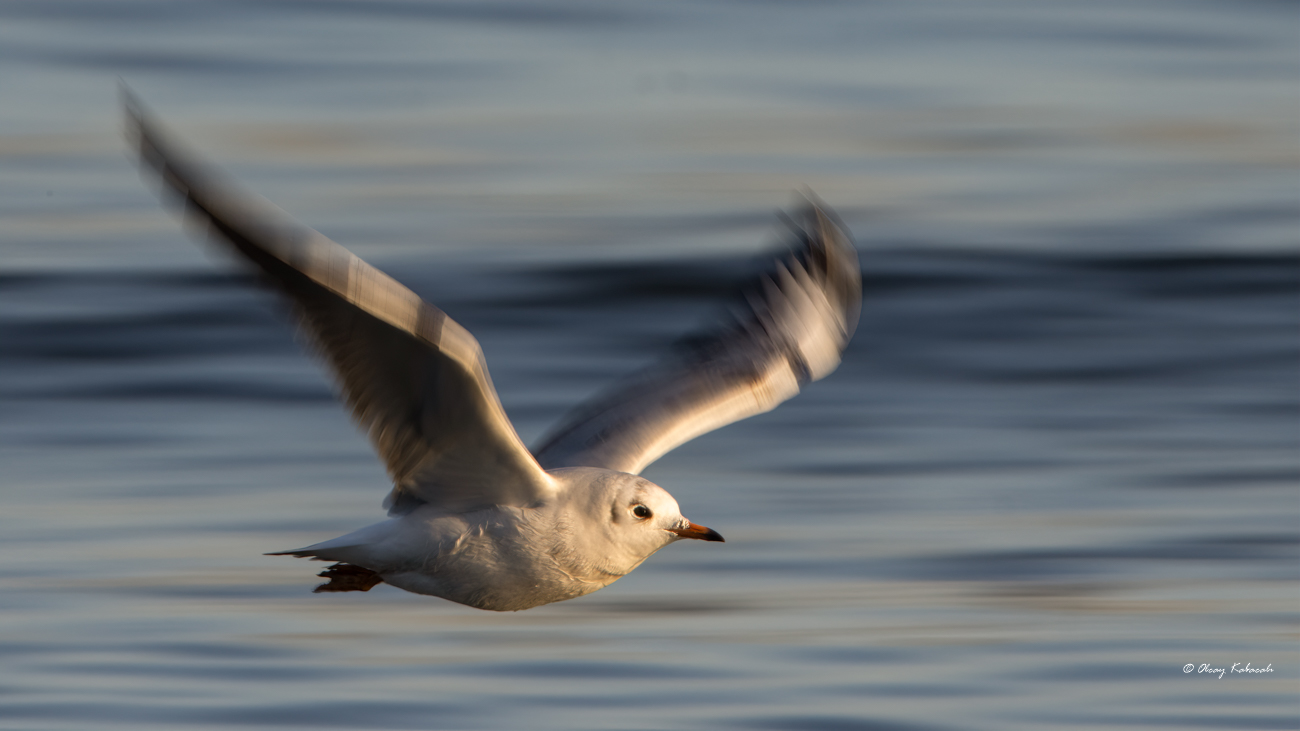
[{"x": 1059, "y": 462}]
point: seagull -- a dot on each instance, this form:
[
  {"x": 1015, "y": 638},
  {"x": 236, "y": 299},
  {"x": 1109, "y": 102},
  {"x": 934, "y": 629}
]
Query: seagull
[{"x": 474, "y": 516}]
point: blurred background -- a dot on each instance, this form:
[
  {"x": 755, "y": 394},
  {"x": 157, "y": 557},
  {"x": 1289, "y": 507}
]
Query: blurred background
[{"x": 1058, "y": 464}]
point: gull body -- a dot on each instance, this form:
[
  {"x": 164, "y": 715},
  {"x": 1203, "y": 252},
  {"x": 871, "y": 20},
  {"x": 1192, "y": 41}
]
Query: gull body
[
  {"x": 502, "y": 557},
  {"x": 475, "y": 517}
]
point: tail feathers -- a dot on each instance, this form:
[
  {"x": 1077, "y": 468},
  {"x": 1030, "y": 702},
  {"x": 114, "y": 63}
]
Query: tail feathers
[{"x": 346, "y": 577}]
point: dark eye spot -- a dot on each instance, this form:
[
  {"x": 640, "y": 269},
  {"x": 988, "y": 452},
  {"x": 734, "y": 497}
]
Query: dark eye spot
[{"x": 641, "y": 512}]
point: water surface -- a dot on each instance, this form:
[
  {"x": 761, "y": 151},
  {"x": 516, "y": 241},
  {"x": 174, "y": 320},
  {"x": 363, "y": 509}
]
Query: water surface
[{"x": 1058, "y": 463}]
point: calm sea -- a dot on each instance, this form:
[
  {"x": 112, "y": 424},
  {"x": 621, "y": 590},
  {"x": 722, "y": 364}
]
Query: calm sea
[{"x": 1057, "y": 468}]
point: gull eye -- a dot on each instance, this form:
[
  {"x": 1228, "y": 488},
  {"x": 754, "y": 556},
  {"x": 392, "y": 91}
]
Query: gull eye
[{"x": 641, "y": 512}]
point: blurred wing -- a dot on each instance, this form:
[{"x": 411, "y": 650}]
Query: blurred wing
[
  {"x": 798, "y": 321},
  {"x": 415, "y": 380}
]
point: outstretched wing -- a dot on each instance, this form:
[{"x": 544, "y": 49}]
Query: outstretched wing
[
  {"x": 798, "y": 321},
  {"x": 415, "y": 380}
]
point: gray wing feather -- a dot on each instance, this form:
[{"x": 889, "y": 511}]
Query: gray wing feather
[
  {"x": 415, "y": 380},
  {"x": 797, "y": 322}
]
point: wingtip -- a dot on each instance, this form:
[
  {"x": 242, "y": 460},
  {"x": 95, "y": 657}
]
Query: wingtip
[
  {"x": 812, "y": 208},
  {"x": 816, "y": 220},
  {"x": 129, "y": 100},
  {"x": 827, "y": 238},
  {"x": 134, "y": 111},
  {"x": 140, "y": 131}
]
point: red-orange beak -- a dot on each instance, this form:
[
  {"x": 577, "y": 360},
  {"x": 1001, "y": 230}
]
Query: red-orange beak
[{"x": 697, "y": 531}]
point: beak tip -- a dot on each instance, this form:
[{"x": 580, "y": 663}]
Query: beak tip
[{"x": 698, "y": 532}]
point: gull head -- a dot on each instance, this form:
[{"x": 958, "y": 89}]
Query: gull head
[
  {"x": 624, "y": 518},
  {"x": 640, "y": 507}
]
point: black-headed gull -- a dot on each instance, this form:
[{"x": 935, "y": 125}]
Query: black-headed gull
[{"x": 475, "y": 517}]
